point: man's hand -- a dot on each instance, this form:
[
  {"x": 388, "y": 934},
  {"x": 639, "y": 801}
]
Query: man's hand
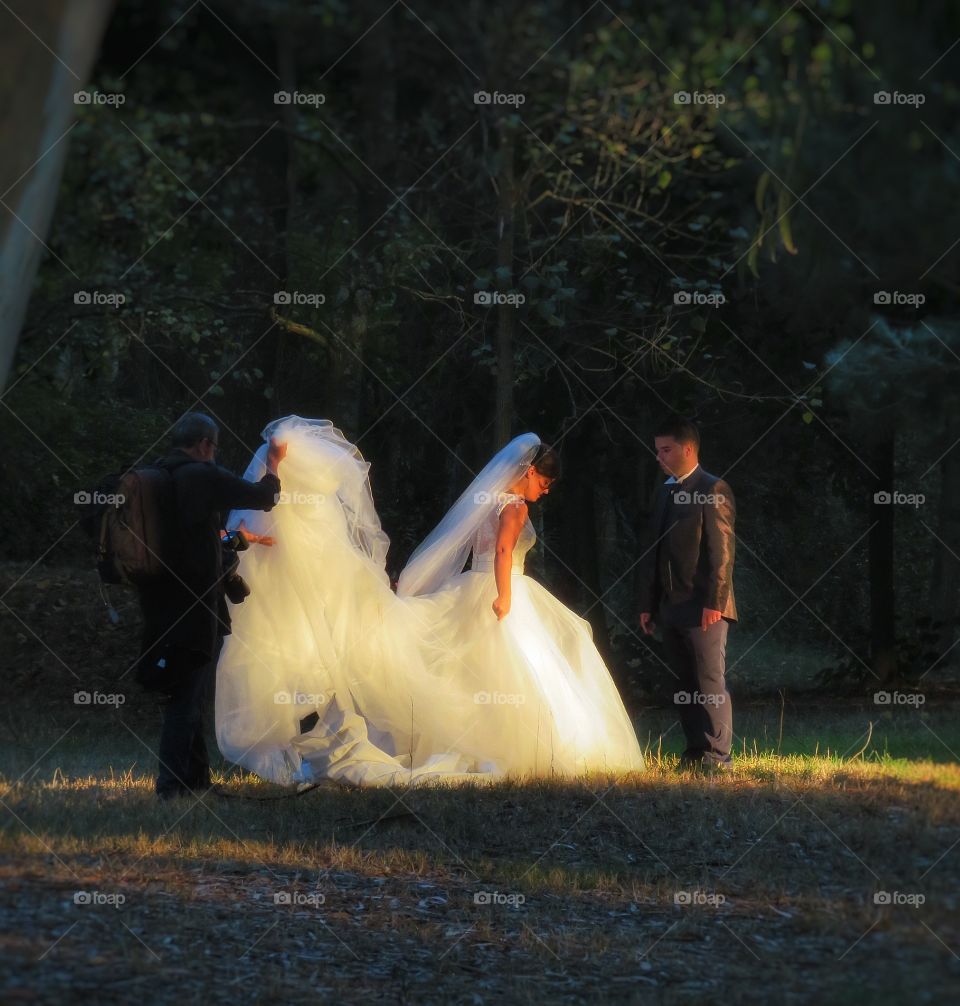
[
  {"x": 709, "y": 617},
  {"x": 275, "y": 454},
  {"x": 259, "y": 539},
  {"x": 646, "y": 623}
]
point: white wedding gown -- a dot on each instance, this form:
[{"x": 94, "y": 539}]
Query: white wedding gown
[{"x": 405, "y": 689}]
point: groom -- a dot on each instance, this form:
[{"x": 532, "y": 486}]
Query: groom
[{"x": 686, "y": 584}]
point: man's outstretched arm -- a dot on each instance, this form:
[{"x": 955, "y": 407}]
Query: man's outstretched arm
[{"x": 234, "y": 493}]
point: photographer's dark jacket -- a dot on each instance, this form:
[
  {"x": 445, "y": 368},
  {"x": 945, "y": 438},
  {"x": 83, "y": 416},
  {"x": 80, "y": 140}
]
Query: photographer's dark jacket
[
  {"x": 187, "y": 608},
  {"x": 687, "y": 562}
]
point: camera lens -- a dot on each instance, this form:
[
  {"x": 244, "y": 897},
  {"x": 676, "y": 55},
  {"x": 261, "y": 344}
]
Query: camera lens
[{"x": 236, "y": 588}]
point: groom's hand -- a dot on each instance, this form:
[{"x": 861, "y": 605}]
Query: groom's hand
[
  {"x": 709, "y": 617},
  {"x": 646, "y": 623}
]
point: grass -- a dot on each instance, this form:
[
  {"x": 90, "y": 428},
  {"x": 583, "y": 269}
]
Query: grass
[{"x": 661, "y": 886}]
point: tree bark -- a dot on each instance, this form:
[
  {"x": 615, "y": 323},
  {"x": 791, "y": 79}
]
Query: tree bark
[{"x": 37, "y": 86}]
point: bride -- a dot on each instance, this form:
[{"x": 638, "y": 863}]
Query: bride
[{"x": 458, "y": 675}]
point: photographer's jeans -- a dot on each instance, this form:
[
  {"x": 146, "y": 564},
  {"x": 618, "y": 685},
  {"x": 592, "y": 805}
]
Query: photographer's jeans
[
  {"x": 184, "y": 762},
  {"x": 702, "y": 701}
]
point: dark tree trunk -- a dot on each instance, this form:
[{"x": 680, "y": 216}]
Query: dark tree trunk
[
  {"x": 883, "y": 652},
  {"x": 506, "y": 313},
  {"x": 945, "y": 578},
  {"x": 576, "y": 567},
  {"x": 287, "y": 68},
  {"x": 38, "y": 81},
  {"x": 377, "y": 148}
]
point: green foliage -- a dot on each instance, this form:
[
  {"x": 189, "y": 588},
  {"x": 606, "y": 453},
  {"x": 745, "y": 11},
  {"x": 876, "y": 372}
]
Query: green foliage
[
  {"x": 50, "y": 453},
  {"x": 794, "y": 199}
]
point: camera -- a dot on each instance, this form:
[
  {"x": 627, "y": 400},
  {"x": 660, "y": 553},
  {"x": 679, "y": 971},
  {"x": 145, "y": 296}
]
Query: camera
[{"x": 234, "y": 585}]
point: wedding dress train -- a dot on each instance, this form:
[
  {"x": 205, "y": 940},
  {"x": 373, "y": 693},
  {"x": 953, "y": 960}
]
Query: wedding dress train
[{"x": 330, "y": 674}]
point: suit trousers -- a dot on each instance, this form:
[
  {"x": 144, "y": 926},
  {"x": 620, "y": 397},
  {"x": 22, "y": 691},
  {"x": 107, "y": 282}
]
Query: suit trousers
[{"x": 698, "y": 659}]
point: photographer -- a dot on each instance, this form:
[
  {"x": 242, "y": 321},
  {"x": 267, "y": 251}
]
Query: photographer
[{"x": 185, "y": 612}]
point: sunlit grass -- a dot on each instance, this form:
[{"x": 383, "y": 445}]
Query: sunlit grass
[{"x": 786, "y": 850}]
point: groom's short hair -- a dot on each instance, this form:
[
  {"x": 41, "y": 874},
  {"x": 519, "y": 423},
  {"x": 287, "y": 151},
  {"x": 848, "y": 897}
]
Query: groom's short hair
[{"x": 683, "y": 430}]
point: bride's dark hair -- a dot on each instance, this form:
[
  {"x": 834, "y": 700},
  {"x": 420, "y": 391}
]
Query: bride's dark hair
[{"x": 547, "y": 462}]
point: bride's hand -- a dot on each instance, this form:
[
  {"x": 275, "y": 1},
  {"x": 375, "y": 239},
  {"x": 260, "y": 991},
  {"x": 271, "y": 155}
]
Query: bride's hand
[{"x": 501, "y": 608}]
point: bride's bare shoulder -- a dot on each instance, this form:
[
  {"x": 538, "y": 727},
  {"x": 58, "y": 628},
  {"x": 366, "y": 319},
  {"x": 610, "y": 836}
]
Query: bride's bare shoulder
[{"x": 512, "y": 508}]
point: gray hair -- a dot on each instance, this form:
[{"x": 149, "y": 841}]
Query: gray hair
[{"x": 192, "y": 427}]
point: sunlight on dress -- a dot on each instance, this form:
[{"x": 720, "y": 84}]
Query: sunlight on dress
[{"x": 330, "y": 675}]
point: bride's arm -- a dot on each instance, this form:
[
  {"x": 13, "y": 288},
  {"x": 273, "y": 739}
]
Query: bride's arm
[{"x": 512, "y": 519}]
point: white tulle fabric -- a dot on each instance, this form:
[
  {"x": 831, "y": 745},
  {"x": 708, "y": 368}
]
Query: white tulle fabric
[{"x": 407, "y": 688}]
